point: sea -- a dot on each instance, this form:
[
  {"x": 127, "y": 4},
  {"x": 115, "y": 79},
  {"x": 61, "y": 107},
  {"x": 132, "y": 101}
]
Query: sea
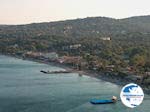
[{"x": 23, "y": 88}]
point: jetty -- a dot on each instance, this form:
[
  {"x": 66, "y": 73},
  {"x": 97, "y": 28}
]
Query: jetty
[{"x": 55, "y": 72}]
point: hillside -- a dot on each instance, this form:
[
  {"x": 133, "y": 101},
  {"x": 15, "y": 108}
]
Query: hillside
[
  {"x": 126, "y": 50},
  {"x": 87, "y": 27}
]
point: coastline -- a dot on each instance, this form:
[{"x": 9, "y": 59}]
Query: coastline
[{"x": 99, "y": 75}]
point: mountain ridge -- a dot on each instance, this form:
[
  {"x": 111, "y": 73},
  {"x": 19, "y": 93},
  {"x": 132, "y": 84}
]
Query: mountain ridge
[{"x": 85, "y": 27}]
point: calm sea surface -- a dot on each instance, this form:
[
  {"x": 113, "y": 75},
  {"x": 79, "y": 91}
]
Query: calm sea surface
[{"x": 23, "y": 88}]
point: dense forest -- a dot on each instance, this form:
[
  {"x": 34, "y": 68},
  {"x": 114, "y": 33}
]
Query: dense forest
[{"x": 107, "y": 41}]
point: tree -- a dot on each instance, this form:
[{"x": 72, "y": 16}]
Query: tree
[{"x": 138, "y": 60}]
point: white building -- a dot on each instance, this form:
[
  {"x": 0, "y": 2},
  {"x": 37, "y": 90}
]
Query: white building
[
  {"x": 51, "y": 56},
  {"x": 106, "y": 38}
]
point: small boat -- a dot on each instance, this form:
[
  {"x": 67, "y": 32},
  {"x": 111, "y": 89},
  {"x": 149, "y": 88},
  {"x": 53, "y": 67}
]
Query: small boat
[
  {"x": 43, "y": 71},
  {"x": 97, "y": 101}
]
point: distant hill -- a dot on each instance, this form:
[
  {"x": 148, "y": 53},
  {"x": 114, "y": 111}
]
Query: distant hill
[
  {"x": 87, "y": 27},
  {"x": 138, "y": 23}
]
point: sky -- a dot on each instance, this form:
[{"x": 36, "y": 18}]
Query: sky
[{"x": 34, "y": 11}]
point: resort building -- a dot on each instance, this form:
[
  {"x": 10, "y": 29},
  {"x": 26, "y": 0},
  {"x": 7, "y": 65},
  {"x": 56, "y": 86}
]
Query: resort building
[{"x": 106, "y": 38}]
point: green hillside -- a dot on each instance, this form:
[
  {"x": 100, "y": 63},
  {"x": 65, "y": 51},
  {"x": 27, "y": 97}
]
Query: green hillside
[
  {"x": 128, "y": 44},
  {"x": 87, "y": 27}
]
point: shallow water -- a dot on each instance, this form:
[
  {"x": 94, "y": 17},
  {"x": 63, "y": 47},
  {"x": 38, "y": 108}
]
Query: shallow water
[{"x": 23, "y": 88}]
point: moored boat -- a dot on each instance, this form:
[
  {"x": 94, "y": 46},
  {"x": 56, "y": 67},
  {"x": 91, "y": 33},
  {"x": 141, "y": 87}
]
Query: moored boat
[{"x": 98, "y": 101}]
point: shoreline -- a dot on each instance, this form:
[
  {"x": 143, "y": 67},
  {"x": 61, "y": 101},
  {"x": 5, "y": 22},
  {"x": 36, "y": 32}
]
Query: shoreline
[
  {"x": 102, "y": 76},
  {"x": 98, "y": 75}
]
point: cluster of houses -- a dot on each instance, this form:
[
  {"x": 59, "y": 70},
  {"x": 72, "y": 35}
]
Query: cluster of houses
[
  {"x": 75, "y": 61},
  {"x": 43, "y": 56}
]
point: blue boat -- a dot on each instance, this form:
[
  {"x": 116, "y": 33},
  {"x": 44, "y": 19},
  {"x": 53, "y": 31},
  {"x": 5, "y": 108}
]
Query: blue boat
[{"x": 97, "y": 101}]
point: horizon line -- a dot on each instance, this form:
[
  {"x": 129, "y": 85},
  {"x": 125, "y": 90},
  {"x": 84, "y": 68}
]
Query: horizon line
[{"x": 63, "y": 20}]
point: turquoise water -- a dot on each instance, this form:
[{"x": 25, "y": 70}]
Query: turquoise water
[{"x": 24, "y": 89}]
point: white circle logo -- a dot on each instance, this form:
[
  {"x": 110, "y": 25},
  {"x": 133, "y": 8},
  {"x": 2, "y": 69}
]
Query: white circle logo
[{"x": 131, "y": 95}]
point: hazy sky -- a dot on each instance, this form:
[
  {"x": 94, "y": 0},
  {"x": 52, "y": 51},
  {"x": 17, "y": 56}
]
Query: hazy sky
[{"x": 28, "y": 11}]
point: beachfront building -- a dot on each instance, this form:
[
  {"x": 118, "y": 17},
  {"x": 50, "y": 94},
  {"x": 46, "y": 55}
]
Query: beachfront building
[
  {"x": 74, "y": 61},
  {"x": 51, "y": 56},
  {"x": 33, "y": 54}
]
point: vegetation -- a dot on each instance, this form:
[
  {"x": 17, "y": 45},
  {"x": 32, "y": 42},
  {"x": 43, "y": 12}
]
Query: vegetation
[{"x": 129, "y": 46}]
